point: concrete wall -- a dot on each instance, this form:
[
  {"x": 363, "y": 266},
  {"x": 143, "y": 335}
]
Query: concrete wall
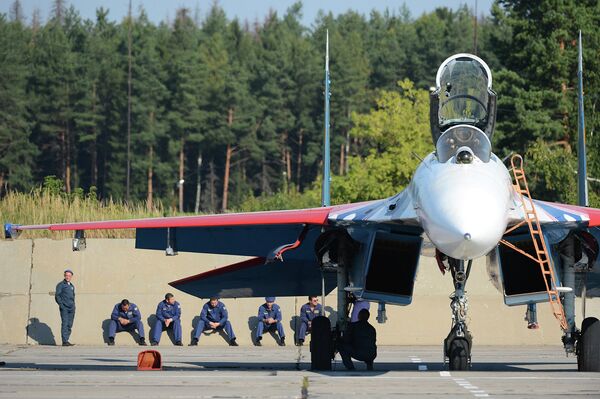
[{"x": 110, "y": 270}]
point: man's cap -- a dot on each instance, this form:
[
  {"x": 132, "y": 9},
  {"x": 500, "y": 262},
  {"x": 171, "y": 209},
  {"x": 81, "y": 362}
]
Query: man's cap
[
  {"x": 270, "y": 299},
  {"x": 68, "y": 271}
]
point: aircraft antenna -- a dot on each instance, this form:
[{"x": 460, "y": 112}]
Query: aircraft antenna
[
  {"x": 325, "y": 194},
  {"x": 582, "y": 187}
]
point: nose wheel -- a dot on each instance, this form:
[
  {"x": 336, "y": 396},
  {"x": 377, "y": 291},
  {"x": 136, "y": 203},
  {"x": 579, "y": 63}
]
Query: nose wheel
[{"x": 458, "y": 343}]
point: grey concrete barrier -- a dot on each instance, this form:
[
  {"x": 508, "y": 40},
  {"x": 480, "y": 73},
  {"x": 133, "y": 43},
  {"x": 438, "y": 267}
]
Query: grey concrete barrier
[{"x": 110, "y": 270}]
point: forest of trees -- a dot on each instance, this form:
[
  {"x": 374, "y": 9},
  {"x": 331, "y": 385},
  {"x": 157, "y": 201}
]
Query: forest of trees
[{"x": 206, "y": 114}]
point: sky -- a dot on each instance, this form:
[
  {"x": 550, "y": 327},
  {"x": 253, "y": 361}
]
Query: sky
[{"x": 252, "y": 10}]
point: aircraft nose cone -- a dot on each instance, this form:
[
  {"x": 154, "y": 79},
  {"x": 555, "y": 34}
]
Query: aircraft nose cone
[{"x": 465, "y": 218}]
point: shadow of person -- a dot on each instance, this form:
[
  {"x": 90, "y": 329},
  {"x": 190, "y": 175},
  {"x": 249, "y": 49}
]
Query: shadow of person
[
  {"x": 252, "y": 326},
  {"x": 40, "y": 332},
  {"x": 105, "y": 327},
  {"x": 195, "y": 321},
  {"x": 295, "y": 326}
]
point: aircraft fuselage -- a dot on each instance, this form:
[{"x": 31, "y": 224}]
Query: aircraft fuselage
[{"x": 463, "y": 208}]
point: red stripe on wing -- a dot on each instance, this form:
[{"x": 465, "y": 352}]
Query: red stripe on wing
[{"x": 316, "y": 216}]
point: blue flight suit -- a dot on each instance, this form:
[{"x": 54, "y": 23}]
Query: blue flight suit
[
  {"x": 65, "y": 297},
  {"x": 133, "y": 315},
  {"x": 263, "y": 314},
  {"x": 164, "y": 311},
  {"x": 218, "y": 314},
  {"x": 307, "y": 314}
]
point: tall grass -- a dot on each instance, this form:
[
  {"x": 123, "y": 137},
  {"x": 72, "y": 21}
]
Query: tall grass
[{"x": 44, "y": 207}]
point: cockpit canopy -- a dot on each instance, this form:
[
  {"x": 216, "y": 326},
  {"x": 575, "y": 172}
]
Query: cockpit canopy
[{"x": 463, "y": 96}]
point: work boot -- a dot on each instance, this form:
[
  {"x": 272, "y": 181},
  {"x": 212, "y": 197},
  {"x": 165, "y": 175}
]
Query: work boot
[
  {"x": 153, "y": 343},
  {"x": 67, "y": 344},
  {"x": 300, "y": 342},
  {"x": 258, "y": 343},
  {"x": 282, "y": 341},
  {"x": 232, "y": 342},
  {"x": 194, "y": 342},
  {"x": 111, "y": 341},
  {"x": 142, "y": 341},
  {"x": 178, "y": 343}
]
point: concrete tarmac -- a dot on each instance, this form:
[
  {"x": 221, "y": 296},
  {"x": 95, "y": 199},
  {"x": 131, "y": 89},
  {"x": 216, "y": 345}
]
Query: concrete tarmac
[{"x": 273, "y": 372}]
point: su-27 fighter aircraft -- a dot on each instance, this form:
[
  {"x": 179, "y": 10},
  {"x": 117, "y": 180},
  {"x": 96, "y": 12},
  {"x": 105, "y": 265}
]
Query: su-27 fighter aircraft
[{"x": 461, "y": 205}]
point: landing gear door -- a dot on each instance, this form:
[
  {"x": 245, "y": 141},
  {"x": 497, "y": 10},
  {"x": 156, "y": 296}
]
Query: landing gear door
[{"x": 391, "y": 267}]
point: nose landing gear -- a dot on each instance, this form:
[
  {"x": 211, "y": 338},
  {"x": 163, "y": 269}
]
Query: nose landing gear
[{"x": 458, "y": 343}]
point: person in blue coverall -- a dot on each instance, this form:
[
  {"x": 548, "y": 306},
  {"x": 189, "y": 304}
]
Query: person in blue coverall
[
  {"x": 269, "y": 319},
  {"x": 214, "y": 316},
  {"x": 308, "y": 312},
  {"x": 168, "y": 315},
  {"x": 65, "y": 298},
  {"x": 125, "y": 317}
]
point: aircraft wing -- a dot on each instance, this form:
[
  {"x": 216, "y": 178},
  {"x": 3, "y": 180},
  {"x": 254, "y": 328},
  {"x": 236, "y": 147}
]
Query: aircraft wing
[
  {"x": 558, "y": 214},
  {"x": 280, "y": 244}
]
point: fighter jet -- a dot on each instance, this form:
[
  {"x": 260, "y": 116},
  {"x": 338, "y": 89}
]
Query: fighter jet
[{"x": 463, "y": 203}]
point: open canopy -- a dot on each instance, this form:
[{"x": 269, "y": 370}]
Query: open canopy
[{"x": 463, "y": 96}]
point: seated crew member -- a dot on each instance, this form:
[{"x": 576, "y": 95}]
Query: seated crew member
[
  {"x": 168, "y": 315},
  {"x": 214, "y": 316},
  {"x": 125, "y": 317},
  {"x": 308, "y": 312},
  {"x": 269, "y": 319},
  {"x": 359, "y": 342}
]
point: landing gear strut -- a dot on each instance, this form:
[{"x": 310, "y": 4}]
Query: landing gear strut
[{"x": 458, "y": 343}]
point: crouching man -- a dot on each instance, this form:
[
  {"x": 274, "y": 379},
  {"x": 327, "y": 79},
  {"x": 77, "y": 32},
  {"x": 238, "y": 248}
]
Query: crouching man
[
  {"x": 168, "y": 316},
  {"x": 359, "y": 342},
  {"x": 214, "y": 316},
  {"x": 125, "y": 317},
  {"x": 269, "y": 319}
]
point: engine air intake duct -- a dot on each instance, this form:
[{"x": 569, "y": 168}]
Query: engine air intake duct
[
  {"x": 392, "y": 266},
  {"x": 522, "y": 278}
]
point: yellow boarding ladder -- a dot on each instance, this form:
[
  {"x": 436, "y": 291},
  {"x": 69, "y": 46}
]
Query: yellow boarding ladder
[{"x": 542, "y": 258}]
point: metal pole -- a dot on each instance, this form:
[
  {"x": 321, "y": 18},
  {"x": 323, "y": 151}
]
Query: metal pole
[
  {"x": 325, "y": 195},
  {"x": 582, "y": 174}
]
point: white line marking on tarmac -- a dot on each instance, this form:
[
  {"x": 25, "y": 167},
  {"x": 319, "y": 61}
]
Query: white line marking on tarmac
[
  {"x": 479, "y": 393},
  {"x": 444, "y": 374}
]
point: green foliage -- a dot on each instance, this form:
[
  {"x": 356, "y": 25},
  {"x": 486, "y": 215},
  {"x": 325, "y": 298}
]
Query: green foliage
[{"x": 395, "y": 131}]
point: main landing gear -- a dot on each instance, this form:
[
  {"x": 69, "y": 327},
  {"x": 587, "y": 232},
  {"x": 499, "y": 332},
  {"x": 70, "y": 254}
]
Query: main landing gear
[{"x": 458, "y": 343}]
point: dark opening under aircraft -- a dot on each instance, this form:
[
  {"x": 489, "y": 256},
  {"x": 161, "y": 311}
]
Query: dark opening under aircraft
[{"x": 460, "y": 205}]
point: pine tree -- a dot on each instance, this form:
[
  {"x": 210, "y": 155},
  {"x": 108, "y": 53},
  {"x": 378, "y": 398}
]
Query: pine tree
[{"x": 16, "y": 151}]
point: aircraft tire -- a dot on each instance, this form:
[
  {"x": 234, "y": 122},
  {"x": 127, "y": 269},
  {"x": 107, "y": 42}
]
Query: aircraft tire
[
  {"x": 588, "y": 357},
  {"x": 458, "y": 355},
  {"x": 321, "y": 344},
  {"x": 588, "y": 321}
]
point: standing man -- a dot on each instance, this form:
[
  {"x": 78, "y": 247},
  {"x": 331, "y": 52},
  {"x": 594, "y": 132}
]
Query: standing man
[
  {"x": 359, "y": 342},
  {"x": 125, "y": 317},
  {"x": 214, "y": 316},
  {"x": 168, "y": 315},
  {"x": 269, "y": 319},
  {"x": 65, "y": 297},
  {"x": 308, "y": 312}
]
